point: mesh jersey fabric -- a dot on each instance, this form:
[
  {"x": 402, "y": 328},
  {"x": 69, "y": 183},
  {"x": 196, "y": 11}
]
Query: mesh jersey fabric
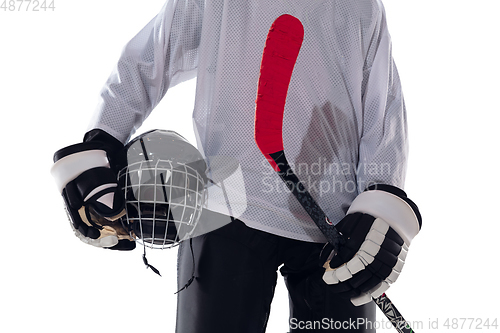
[{"x": 344, "y": 125}]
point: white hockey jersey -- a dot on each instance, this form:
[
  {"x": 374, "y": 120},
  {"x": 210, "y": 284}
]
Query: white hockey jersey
[{"x": 344, "y": 125}]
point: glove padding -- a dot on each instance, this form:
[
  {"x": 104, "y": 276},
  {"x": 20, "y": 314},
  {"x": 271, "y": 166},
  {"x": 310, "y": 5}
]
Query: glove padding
[
  {"x": 93, "y": 201},
  {"x": 377, "y": 230}
]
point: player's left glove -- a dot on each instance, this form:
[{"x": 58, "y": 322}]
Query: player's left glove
[{"x": 377, "y": 230}]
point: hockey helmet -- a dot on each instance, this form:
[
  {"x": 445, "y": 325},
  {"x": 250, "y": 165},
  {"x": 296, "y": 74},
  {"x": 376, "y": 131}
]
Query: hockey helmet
[{"x": 164, "y": 181}]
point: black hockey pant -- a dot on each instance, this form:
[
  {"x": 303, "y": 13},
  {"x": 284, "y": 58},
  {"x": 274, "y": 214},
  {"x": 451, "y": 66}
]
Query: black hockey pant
[{"x": 235, "y": 276}]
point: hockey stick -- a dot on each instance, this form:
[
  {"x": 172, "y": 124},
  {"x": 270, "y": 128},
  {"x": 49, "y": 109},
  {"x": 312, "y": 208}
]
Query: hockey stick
[{"x": 281, "y": 50}]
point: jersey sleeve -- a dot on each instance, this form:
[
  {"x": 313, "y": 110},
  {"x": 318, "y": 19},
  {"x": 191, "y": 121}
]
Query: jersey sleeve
[
  {"x": 383, "y": 148},
  {"x": 163, "y": 54}
]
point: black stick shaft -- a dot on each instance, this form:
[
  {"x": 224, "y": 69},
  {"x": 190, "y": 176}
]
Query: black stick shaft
[{"x": 307, "y": 201}]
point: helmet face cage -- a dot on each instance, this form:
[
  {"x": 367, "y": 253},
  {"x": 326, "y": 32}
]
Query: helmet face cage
[{"x": 164, "y": 200}]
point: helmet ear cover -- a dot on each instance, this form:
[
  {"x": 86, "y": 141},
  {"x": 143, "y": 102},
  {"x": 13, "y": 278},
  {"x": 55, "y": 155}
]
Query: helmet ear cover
[{"x": 164, "y": 186}]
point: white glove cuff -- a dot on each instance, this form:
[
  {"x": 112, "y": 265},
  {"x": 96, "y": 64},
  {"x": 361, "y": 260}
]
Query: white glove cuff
[
  {"x": 69, "y": 167},
  {"x": 390, "y": 208}
]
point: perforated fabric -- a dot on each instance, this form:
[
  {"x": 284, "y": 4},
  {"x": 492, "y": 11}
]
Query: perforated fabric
[{"x": 345, "y": 119}]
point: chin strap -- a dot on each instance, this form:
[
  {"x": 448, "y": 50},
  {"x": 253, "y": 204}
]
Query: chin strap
[
  {"x": 147, "y": 264},
  {"x": 193, "y": 270},
  {"x": 145, "y": 260}
]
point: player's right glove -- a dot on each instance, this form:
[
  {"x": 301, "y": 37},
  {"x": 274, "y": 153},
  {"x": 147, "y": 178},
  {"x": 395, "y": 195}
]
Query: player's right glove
[{"x": 86, "y": 178}]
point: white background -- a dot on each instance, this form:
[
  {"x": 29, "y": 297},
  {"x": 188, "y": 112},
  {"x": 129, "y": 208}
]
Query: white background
[{"x": 52, "y": 66}]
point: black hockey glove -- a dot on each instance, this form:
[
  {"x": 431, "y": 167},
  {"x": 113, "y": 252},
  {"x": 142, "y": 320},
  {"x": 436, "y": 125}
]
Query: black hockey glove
[
  {"x": 86, "y": 177},
  {"x": 377, "y": 229}
]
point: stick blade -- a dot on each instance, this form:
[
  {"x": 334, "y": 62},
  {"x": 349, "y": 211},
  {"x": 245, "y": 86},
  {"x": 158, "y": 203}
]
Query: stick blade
[{"x": 281, "y": 50}]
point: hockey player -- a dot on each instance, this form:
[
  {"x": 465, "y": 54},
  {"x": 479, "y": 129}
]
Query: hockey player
[{"x": 344, "y": 129}]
